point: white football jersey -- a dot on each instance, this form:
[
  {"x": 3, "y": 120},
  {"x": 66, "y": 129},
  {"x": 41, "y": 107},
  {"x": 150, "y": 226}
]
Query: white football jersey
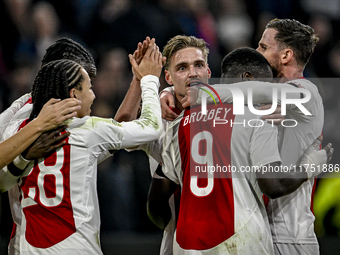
[
  {"x": 291, "y": 217},
  {"x": 221, "y": 210},
  {"x": 60, "y": 211}
]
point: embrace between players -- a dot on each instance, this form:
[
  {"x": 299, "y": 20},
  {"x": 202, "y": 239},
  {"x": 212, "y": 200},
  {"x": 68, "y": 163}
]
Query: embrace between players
[{"x": 53, "y": 194}]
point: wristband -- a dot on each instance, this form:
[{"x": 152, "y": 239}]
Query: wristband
[
  {"x": 16, "y": 172},
  {"x": 20, "y": 162}
]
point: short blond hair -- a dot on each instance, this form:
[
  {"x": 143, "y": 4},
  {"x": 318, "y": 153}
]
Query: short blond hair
[{"x": 181, "y": 42}]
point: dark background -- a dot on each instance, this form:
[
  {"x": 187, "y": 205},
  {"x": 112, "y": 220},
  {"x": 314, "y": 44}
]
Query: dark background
[{"x": 111, "y": 29}]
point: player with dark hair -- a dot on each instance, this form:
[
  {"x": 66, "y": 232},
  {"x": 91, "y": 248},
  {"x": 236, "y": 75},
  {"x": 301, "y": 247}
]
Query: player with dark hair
[
  {"x": 247, "y": 63},
  {"x": 54, "y": 113},
  {"x": 287, "y": 45},
  {"x": 66, "y": 48},
  {"x": 216, "y": 215},
  {"x": 63, "y": 48},
  {"x": 60, "y": 207},
  {"x": 55, "y": 80},
  {"x": 186, "y": 58}
]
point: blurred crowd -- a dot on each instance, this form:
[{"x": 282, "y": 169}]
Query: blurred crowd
[{"x": 111, "y": 29}]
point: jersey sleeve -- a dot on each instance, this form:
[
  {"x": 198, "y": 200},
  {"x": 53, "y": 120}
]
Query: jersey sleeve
[
  {"x": 313, "y": 105},
  {"x": 170, "y": 156},
  {"x": 149, "y": 126},
  {"x": 108, "y": 134},
  {"x": 7, "y": 180},
  {"x": 263, "y": 147},
  {"x": 8, "y": 114}
]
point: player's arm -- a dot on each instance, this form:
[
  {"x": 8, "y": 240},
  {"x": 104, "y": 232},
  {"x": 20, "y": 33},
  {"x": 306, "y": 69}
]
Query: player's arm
[
  {"x": 52, "y": 115},
  {"x": 261, "y": 93},
  {"x": 149, "y": 126},
  {"x": 129, "y": 108},
  {"x": 278, "y": 183},
  {"x": 158, "y": 208},
  {"x": 45, "y": 145}
]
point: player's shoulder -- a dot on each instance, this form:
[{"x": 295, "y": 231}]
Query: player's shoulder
[
  {"x": 302, "y": 83},
  {"x": 11, "y": 128},
  {"x": 90, "y": 122}
]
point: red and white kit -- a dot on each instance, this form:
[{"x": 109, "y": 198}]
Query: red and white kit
[
  {"x": 59, "y": 204},
  {"x": 221, "y": 212}
]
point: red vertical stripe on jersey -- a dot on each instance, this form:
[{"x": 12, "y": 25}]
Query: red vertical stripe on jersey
[
  {"x": 49, "y": 224},
  {"x": 205, "y": 221}
]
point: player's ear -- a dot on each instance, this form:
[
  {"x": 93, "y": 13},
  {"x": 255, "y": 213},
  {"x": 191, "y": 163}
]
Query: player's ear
[
  {"x": 247, "y": 76},
  {"x": 287, "y": 56},
  {"x": 72, "y": 93},
  {"x": 209, "y": 71},
  {"x": 168, "y": 77}
]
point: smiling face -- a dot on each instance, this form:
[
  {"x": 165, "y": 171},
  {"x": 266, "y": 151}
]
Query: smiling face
[
  {"x": 85, "y": 95},
  {"x": 270, "y": 49},
  {"x": 186, "y": 65}
]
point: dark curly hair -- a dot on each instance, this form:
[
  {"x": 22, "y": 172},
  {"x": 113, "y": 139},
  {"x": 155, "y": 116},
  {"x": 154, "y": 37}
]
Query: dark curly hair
[
  {"x": 66, "y": 48},
  {"x": 242, "y": 60},
  {"x": 55, "y": 80}
]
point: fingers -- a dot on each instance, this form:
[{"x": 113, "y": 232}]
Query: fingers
[
  {"x": 145, "y": 44},
  {"x": 265, "y": 106},
  {"x": 171, "y": 101},
  {"x": 57, "y": 139},
  {"x": 167, "y": 99},
  {"x": 317, "y": 142},
  {"x": 329, "y": 150},
  {"x": 167, "y": 102},
  {"x": 133, "y": 62},
  {"x": 158, "y": 56},
  {"x": 53, "y": 101},
  {"x": 150, "y": 49},
  {"x": 273, "y": 118},
  {"x": 168, "y": 114},
  {"x": 330, "y": 155},
  {"x": 67, "y": 106}
]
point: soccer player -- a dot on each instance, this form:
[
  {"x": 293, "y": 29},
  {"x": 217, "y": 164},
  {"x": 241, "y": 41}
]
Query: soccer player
[
  {"x": 287, "y": 45},
  {"x": 186, "y": 59},
  {"x": 60, "y": 207},
  {"x": 63, "y": 48},
  {"x": 224, "y": 213},
  {"x": 52, "y": 115}
]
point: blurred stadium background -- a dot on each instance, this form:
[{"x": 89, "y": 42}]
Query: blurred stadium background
[{"x": 111, "y": 29}]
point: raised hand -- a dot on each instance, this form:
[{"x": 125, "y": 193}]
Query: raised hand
[
  {"x": 46, "y": 144},
  {"x": 167, "y": 101},
  {"x": 56, "y": 112},
  {"x": 152, "y": 62},
  {"x": 139, "y": 54},
  {"x": 314, "y": 159}
]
